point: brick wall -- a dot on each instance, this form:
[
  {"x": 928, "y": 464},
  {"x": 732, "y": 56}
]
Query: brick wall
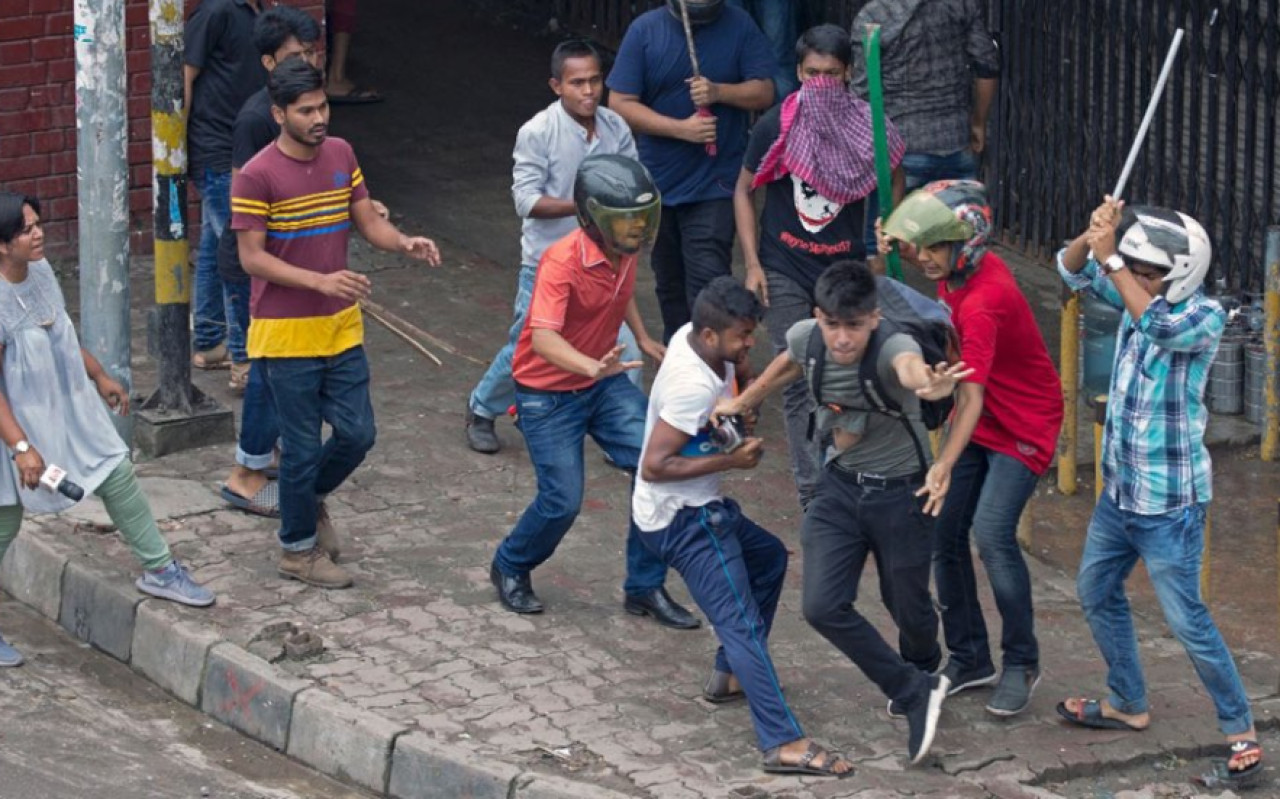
[{"x": 37, "y": 113}]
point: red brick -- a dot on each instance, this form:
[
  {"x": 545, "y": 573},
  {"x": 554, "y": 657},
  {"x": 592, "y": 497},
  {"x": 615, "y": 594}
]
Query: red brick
[
  {"x": 34, "y": 119},
  {"x": 15, "y": 53},
  {"x": 138, "y": 39},
  {"x": 59, "y": 186},
  {"x": 63, "y": 117},
  {"x": 140, "y": 152},
  {"x": 138, "y": 61},
  {"x": 60, "y": 208},
  {"x": 47, "y": 141},
  {"x": 48, "y": 6},
  {"x": 46, "y": 96},
  {"x": 28, "y": 74},
  {"x": 140, "y": 199},
  {"x": 14, "y": 99},
  {"x": 58, "y": 24},
  {"x": 136, "y": 14},
  {"x": 20, "y": 29},
  {"x": 14, "y": 146},
  {"x": 62, "y": 70},
  {"x": 11, "y": 9},
  {"x": 139, "y": 107},
  {"x": 52, "y": 48},
  {"x": 28, "y": 166},
  {"x": 63, "y": 162}
]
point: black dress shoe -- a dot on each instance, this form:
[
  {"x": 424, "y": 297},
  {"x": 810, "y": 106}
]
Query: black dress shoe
[
  {"x": 515, "y": 593},
  {"x": 664, "y": 610}
]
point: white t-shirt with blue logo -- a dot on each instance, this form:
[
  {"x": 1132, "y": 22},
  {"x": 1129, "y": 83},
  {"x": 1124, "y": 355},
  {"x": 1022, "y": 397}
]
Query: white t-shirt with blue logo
[{"x": 683, "y": 395}]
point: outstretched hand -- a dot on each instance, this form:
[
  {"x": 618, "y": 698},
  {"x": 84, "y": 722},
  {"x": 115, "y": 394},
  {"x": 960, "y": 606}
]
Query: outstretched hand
[
  {"x": 611, "y": 365},
  {"x": 942, "y": 380}
]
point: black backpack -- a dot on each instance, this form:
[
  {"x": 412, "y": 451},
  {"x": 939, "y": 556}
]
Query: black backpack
[{"x": 902, "y": 310}]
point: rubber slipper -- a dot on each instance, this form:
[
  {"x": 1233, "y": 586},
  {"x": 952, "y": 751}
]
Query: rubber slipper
[
  {"x": 357, "y": 96},
  {"x": 804, "y": 766},
  {"x": 1090, "y": 715},
  {"x": 264, "y": 503}
]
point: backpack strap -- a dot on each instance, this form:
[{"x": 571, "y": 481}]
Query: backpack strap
[
  {"x": 815, "y": 356},
  {"x": 877, "y": 394}
]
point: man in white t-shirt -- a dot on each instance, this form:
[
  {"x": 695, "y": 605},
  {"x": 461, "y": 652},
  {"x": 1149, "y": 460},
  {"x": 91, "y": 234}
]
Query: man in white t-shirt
[{"x": 733, "y": 567}]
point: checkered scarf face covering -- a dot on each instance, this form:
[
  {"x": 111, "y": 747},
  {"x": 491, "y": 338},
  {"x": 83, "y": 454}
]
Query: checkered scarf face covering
[{"x": 826, "y": 141}]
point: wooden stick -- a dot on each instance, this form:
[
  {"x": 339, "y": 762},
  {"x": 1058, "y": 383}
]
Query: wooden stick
[
  {"x": 403, "y": 335},
  {"x": 373, "y": 307}
]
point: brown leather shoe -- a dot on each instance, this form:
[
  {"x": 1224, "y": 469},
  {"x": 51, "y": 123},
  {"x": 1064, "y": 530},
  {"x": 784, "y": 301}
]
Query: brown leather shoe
[
  {"x": 326, "y": 535},
  {"x": 313, "y": 567}
]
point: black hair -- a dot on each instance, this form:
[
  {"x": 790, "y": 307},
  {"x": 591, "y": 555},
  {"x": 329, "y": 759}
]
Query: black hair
[
  {"x": 291, "y": 79},
  {"x": 573, "y": 48},
  {"x": 831, "y": 40},
  {"x": 846, "y": 291},
  {"x": 12, "y": 220},
  {"x": 275, "y": 25},
  {"x": 722, "y": 303}
]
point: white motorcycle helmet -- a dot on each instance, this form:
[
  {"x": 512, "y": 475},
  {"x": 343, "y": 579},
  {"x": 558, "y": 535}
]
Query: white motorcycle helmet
[{"x": 1168, "y": 240}]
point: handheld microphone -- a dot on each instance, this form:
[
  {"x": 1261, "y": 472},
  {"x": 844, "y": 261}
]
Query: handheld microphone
[{"x": 55, "y": 479}]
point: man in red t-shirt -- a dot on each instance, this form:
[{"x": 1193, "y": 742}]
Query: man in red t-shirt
[
  {"x": 570, "y": 381},
  {"x": 1002, "y": 438}
]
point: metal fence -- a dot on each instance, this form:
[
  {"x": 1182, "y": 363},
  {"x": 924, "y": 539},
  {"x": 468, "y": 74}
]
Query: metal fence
[{"x": 1077, "y": 75}]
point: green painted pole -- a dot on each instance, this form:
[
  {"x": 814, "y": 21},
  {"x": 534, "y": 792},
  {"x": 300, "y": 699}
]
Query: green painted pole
[{"x": 884, "y": 173}]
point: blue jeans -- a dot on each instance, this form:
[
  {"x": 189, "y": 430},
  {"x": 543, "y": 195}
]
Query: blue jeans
[
  {"x": 735, "y": 569},
  {"x": 1170, "y": 545},
  {"x": 258, "y": 429},
  {"x": 988, "y": 492},
  {"x": 922, "y": 168},
  {"x": 555, "y": 425},
  {"x": 308, "y": 392},
  {"x": 210, "y": 307},
  {"x": 496, "y": 391},
  {"x": 777, "y": 20}
]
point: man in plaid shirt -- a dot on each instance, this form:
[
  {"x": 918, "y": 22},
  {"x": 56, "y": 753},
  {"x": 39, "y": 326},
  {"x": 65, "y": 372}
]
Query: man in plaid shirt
[{"x": 1156, "y": 471}]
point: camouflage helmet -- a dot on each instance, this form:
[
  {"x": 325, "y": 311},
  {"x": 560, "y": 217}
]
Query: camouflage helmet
[{"x": 945, "y": 211}]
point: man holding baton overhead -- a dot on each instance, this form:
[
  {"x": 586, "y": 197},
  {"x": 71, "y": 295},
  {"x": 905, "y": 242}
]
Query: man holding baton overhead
[{"x": 658, "y": 90}]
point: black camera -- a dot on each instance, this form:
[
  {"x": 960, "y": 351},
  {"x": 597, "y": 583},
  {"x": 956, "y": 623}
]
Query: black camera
[{"x": 729, "y": 434}]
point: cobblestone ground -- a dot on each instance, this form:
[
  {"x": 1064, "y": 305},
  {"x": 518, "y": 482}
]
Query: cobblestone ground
[{"x": 585, "y": 689}]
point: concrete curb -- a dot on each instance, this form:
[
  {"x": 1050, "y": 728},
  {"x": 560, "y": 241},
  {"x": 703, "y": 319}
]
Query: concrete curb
[{"x": 195, "y": 664}]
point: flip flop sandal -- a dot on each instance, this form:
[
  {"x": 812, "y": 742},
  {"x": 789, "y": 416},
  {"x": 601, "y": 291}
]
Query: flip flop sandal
[
  {"x": 804, "y": 766},
  {"x": 264, "y": 503},
  {"x": 1088, "y": 713},
  {"x": 216, "y": 358},
  {"x": 1237, "y": 751}
]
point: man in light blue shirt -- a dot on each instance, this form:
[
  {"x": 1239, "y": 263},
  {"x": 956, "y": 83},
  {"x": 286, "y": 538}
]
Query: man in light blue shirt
[{"x": 548, "y": 151}]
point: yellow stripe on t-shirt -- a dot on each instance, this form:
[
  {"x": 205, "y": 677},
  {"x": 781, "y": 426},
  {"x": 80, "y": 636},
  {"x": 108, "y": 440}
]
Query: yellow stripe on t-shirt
[
  {"x": 298, "y": 203},
  {"x": 307, "y": 336}
]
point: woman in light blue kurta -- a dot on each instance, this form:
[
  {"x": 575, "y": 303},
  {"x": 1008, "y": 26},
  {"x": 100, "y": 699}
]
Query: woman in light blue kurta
[{"x": 54, "y": 400}]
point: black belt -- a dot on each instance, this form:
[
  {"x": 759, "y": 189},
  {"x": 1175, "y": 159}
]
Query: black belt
[
  {"x": 522, "y": 388},
  {"x": 876, "y": 482}
]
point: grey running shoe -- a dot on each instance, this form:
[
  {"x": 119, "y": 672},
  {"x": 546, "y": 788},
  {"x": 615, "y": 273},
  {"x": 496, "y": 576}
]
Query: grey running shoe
[
  {"x": 173, "y": 582},
  {"x": 1013, "y": 694}
]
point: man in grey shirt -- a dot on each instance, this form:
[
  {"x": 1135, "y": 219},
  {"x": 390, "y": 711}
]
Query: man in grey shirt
[
  {"x": 941, "y": 69},
  {"x": 868, "y": 499},
  {"x": 548, "y": 151}
]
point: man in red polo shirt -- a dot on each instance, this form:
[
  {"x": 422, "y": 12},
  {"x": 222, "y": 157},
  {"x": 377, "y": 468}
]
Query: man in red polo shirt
[{"x": 570, "y": 381}]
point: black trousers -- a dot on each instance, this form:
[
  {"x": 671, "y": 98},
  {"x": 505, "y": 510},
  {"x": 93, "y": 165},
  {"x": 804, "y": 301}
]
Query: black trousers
[
  {"x": 844, "y": 524},
  {"x": 694, "y": 246}
]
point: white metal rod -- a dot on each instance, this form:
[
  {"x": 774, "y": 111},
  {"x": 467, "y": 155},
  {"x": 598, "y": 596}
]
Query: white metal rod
[{"x": 1151, "y": 112}]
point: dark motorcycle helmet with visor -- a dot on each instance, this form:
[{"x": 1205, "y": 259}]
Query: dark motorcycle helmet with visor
[{"x": 618, "y": 205}]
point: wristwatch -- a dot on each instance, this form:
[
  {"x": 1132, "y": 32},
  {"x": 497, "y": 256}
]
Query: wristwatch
[
  {"x": 1113, "y": 264},
  {"x": 21, "y": 448}
]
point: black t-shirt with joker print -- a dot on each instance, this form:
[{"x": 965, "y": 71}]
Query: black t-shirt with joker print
[{"x": 801, "y": 232}]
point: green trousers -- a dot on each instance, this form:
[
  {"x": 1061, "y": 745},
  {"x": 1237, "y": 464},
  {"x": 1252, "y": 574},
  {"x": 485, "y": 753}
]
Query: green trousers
[{"x": 129, "y": 511}]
